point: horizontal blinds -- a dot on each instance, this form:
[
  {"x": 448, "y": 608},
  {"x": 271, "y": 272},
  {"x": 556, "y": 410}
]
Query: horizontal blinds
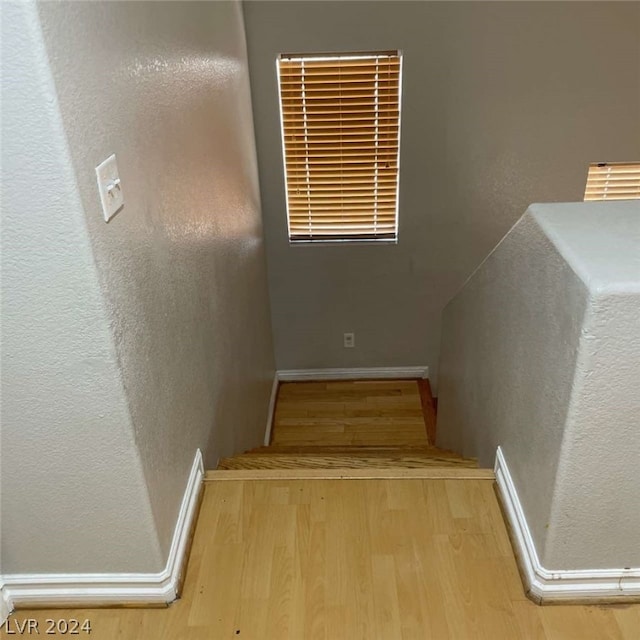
[
  {"x": 613, "y": 181},
  {"x": 340, "y": 125}
]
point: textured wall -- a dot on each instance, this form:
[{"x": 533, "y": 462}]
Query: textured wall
[
  {"x": 127, "y": 345},
  {"x": 73, "y": 492},
  {"x": 508, "y": 353},
  {"x": 165, "y": 87},
  {"x": 504, "y": 104},
  {"x": 596, "y": 511},
  {"x": 541, "y": 355}
]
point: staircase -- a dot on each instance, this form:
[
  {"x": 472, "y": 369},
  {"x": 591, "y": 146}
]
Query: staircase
[
  {"x": 361, "y": 425},
  {"x": 352, "y": 457}
]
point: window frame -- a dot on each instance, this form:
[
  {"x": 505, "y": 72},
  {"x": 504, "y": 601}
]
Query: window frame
[{"x": 345, "y": 239}]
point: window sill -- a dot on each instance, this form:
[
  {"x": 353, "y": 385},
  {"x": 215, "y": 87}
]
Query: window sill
[{"x": 341, "y": 243}]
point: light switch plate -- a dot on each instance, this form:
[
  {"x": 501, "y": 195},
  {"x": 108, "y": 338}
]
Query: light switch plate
[{"x": 109, "y": 187}]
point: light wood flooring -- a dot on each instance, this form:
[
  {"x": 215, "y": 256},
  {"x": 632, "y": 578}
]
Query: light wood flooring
[
  {"x": 397, "y": 554},
  {"x": 353, "y": 560},
  {"x": 362, "y": 458},
  {"x": 351, "y": 425},
  {"x": 359, "y": 412}
]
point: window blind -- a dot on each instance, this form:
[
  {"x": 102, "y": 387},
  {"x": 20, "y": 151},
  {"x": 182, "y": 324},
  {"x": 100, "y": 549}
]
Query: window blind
[
  {"x": 340, "y": 126},
  {"x": 613, "y": 181}
]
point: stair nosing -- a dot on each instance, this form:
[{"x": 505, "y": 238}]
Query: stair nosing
[{"x": 426, "y": 473}]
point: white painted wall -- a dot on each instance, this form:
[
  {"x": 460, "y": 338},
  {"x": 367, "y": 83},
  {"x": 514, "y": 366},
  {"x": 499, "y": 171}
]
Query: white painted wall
[
  {"x": 175, "y": 284},
  {"x": 165, "y": 86},
  {"x": 504, "y": 104},
  {"x": 541, "y": 355},
  {"x": 73, "y": 492},
  {"x": 596, "y": 509}
]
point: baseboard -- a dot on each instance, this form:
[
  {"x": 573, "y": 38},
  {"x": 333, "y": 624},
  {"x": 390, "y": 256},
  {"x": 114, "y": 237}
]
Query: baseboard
[
  {"x": 5, "y": 610},
  {"x": 371, "y": 373},
  {"x": 545, "y": 586},
  {"x": 114, "y": 589},
  {"x": 272, "y": 408}
]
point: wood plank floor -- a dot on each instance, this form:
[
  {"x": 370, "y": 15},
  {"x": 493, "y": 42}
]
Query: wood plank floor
[
  {"x": 355, "y": 424},
  {"x": 408, "y": 459},
  {"x": 350, "y": 412},
  {"x": 354, "y": 560}
]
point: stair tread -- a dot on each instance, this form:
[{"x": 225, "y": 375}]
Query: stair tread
[
  {"x": 353, "y": 454},
  {"x": 352, "y": 461},
  {"x": 353, "y": 448},
  {"x": 369, "y": 473}
]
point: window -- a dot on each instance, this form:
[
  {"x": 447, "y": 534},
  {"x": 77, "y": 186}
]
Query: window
[
  {"x": 613, "y": 181},
  {"x": 340, "y": 118}
]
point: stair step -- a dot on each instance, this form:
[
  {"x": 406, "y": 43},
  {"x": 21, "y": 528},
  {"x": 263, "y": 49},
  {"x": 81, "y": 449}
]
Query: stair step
[
  {"x": 340, "y": 461},
  {"x": 396, "y": 473},
  {"x": 372, "y": 450}
]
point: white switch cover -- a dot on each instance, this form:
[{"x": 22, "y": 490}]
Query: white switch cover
[{"x": 109, "y": 186}]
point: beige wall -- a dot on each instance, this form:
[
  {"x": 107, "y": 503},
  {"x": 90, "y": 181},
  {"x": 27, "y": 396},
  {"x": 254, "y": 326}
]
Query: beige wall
[
  {"x": 177, "y": 279},
  {"x": 504, "y": 104},
  {"x": 508, "y": 355},
  {"x": 541, "y": 356},
  {"x": 73, "y": 496}
]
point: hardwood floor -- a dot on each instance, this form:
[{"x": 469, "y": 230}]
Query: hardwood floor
[
  {"x": 353, "y": 560},
  {"x": 387, "y": 552},
  {"x": 415, "y": 458},
  {"x": 350, "y": 412},
  {"x": 358, "y": 424}
]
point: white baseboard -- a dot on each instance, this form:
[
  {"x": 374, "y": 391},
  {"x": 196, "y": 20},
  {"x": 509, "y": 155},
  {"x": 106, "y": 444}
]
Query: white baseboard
[
  {"x": 371, "y": 373},
  {"x": 545, "y": 585},
  {"x": 272, "y": 408},
  {"x": 5, "y": 610},
  {"x": 55, "y": 590}
]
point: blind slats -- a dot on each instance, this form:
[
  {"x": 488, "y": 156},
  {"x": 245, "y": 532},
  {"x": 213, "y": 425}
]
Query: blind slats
[
  {"x": 613, "y": 181},
  {"x": 337, "y": 112},
  {"x": 629, "y": 181},
  {"x": 294, "y": 124},
  {"x": 290, "y": 84},
  {"x": 334, "y": 148},
  {"x": 340, "y": 126},
  {"x": 327, "y": 208},
  {"x": 388, "y": 198},
  {"x": 332, "y": 63},
  {"x": 342, "y": 175},
  {"x": 388, "y": 126},
  {"x": 339, "y": 229},
  {"x": 347, "y": 191},
  {"x": 356, "y": 217},
  {"x": 290, "y": 106},
  {"x": 360, "y": 184}
]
